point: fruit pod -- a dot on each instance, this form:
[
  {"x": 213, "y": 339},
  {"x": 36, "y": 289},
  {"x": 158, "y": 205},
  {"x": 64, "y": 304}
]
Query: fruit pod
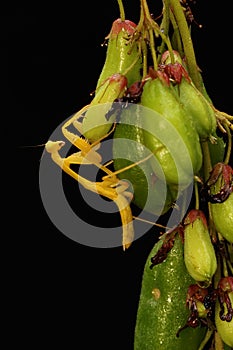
[
  {"x": 181, "y": 144},
  {"x": 162, "y": 307},
  {"x": 149, "y": 192},
  {"x": 199, "y": 109},
  {"x": 122, "y": 67},
  {"x": 222, "y": 215},
  {"x": 166, "y": 60},
  {"x": 222, "y": 206},
  {"x": 123, "y": 55},
  {"x": 225, "y": 326},
  {"x": 194, "y": 102},
  {"x": 217, "y": 149},
  {"x": 96, "y": 123},
  {"x": 199, "y": 254}
]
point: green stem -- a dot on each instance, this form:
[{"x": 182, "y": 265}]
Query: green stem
[
  {"x": 229, "y": 146},
  {"x": 147, "y": 16},
  {"x": 196, "y": 195},
  {"x": 187, "y": 43},
  {"x": 224, "y": 267},
  {"x": 176, "y": 35},
  {"x": 122, "y": 11},
  {"x": 165, "y": 24},
  {"x": 206, "y": 339},
  {"x": 218, "y": 342},
  {"x": 146, "y": 9},
  {"x": 140, "y": 35},
  {"x": 152, "y": 46},
  {"x": 142, "y": 17},
  {"x": 165, "y": 38},
  {"x": 144, "y": 58},
  {"x": 206, "y": 159},
  {"x": 218, "y": 273}
]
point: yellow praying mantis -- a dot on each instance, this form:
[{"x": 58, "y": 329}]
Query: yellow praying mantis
[{"x": 110, "y": 186}]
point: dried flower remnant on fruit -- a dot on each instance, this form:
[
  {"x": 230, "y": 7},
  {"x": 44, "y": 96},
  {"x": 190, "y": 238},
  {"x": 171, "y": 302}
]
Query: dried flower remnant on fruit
[
  {"x": 219, "y": 185},
  {"x": 225, "y": 286},
  {"x": 200, "y": 301},
  {"x": 167, "y": 245}
]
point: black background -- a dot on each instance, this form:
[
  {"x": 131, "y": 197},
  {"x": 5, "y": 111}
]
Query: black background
[{"x": 61, "y": 292}]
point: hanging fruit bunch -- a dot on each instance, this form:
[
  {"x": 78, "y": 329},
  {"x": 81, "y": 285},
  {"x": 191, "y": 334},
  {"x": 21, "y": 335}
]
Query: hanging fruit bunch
[{"x": 167, "y": 137}]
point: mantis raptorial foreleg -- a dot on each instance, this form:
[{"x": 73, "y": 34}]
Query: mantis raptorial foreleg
[
  {"x": 87, "y": 154},
  {"x": 113, "y": 188},
  {"x": 87, "y": 151}
]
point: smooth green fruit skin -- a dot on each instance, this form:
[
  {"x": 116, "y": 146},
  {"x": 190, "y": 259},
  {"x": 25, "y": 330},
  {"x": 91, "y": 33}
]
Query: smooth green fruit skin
[
  {"x": 217, "y": 150},
  {"x": 163, "y": 100},
  {"x": 95, "y": 125},
  {"x": 158, "y": 320},
  {"x": 225, "y": 329},
  {"x": 121, "y": 55},
  {"x": 222, "y": 215},
  {"x": 199, "y": 253},
  {"x": 199, "y": 108},
  {"x": 122, "y": 60},
  {"x": 150, "y": 193}
]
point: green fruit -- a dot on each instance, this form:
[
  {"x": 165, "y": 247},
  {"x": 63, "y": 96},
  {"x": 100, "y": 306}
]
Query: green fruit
[
  {"x": 199, "y": 253},
  {"x": 122, "y": 56},
  {"x": 181, "y": 149},
  {"x": 166, "y": 59},
  {"x": 224, "y": 328},
  {"x": 162, "y": 305},
  {"x": 95, "y": 125},
  {"x": 222, "y": 212},
  {"x": 149, "y": 192},
  {"x": 122, "y": 67},
  {"x": 217, "y": 150},
  {"x": 222, "y": 215},
  {"x": 199, "y": 109}
]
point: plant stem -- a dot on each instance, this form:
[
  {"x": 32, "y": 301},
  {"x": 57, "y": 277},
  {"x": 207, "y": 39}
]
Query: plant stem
[
  {"x": 144, "y": 57},
  {"x": 229, "y": 147},
  {"x": 206, "y": 159},
  {"x": 196, "y": 195},
  {"x": 187, "y": 43},
  {"x": 122, "y": 11},
  {"x": 152, "y": 45},
  {"x": 165, "y": 24},
  {"x": 176, "y": 35},
  {"x": 206, "y": 339},
  {"x": 147, "y": 21},
  {"x": 218, "y": 342}
]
